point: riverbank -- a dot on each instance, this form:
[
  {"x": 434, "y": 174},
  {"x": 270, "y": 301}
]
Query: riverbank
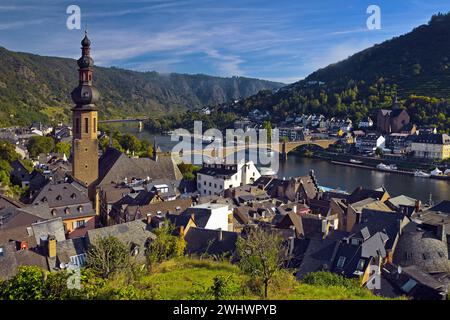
[{"x": 405, "y": 166}]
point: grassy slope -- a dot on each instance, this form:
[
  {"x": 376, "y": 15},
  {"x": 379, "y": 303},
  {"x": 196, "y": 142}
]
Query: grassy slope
[{"x": 188, "y": 278}]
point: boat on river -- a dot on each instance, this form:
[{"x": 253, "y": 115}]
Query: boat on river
[
  {"x": 421, "y": 174},
  {"x": 387, "y": 167}
]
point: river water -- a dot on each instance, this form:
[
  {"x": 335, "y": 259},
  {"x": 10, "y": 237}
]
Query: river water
[{"x": 337, "y": 176}]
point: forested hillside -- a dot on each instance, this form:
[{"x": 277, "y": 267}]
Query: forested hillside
[{"x": 33, "y": 87}]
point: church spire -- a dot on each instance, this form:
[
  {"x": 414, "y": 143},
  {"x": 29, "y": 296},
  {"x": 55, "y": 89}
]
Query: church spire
[{"x": 85, "y": 95}]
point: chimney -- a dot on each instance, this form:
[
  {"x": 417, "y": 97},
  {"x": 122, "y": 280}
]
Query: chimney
[
  {"x": 51, "y": 246},
  {"x": 294, "y": 208},
  {"x": 417, "y": 206},
  {"x": 24, "y": 245},
  {"x": 220, "y": 236},
  {"x": 291, "y": 245},
  {"x": 149, "y": 218},
  {"x": 441, "y": 234}
]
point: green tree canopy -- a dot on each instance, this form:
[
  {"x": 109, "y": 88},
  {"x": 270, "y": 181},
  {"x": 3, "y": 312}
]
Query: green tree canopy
[{"x": 37, "y": 145}]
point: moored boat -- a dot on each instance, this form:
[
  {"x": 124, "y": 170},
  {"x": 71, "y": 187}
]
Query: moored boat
[{"x": 421, "y": 174}]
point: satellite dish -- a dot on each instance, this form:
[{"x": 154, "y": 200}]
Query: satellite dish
[
  {"x": 62, "y": 265},
  {"x": 399, "y": 270}
]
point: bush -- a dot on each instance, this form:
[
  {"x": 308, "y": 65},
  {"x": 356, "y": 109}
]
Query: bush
[
  {"x": 328, "y": 279},
  {"x": 107, "y": 256}
]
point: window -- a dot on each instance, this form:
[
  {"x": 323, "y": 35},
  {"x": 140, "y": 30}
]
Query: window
[
  {"x": 215, "y": 186},
  {"x": 341, "y": 261},
  {"x": 79, "y": 224},
  {"x": 361, "y": 263},
  {"x": 204, "y": 183},
  {"x": 409, "y": 285},
  {"x": 1, "y": 252},
  {"x": 94, "y": 127},
  {"x": 78, "y": 260},
  {"x": 86, "y": 125}
]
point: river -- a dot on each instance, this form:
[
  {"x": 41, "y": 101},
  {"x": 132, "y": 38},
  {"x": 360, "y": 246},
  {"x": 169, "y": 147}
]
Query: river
[{"x": 337, "y": 176}]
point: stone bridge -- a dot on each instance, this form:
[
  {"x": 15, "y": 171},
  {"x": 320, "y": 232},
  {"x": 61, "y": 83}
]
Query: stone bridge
[{"x": 283, "y": 148}]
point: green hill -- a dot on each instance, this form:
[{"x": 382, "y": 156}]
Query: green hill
[
  {"x": 34, "y": 87},
  {"x": 415, "y": 67}
]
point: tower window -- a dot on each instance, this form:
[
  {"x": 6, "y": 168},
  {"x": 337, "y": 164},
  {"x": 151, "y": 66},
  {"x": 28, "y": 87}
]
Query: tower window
[
  {"x": 86, "y": 125},
  {"x": 95, "y": 125}
]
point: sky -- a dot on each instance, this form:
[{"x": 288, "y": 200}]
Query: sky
[{"x": 276, "y": 40}]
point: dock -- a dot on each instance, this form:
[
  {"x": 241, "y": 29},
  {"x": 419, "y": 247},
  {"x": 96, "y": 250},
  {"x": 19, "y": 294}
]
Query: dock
[{"x": 402, "y": 172}]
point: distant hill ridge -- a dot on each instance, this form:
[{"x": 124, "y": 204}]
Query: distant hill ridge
[
  {"x": 34, "y": 87},
  {"x": 415, "y": 67}
]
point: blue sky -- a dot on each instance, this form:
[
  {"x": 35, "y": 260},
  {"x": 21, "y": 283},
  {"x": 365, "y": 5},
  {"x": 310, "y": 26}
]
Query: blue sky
[{"x": 278, "y": 40}]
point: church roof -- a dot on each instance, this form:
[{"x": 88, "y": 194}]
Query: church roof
[{"x": 115, "y": 166}]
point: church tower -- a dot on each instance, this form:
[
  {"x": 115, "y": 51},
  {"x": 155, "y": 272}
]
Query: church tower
[{"x": 84, "y": 117}]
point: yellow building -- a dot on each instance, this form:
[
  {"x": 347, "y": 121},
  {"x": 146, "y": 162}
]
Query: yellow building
[{"x": 431, "y": 146}]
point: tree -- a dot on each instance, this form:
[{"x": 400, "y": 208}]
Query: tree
[
  {"x": 188, "y": 170},
  {"x": 63, "y": 148},
  {"x": 28, "y": 284},
  {"x": 268, "y": 126},
  {"x": 37, "y": 145},
  {"x": 166, "y": 245},
  {"x": 8, "y": 151},
  {"x": 130, "y": 143},
  {"x": 222, "y": 287},
  {"x": 261, "y": 255},
  {"x": 5, "y": 172},
  {"x": 107, "y": 256},
  {"x": 379, "y": 152}
]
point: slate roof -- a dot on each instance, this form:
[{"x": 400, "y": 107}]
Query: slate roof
[
  {"x": 402, "y": 200},
  {"x": 66, "y": 200},
  {"x": 7, "y": 202},
  {"x": 320, "y": 253},
  {"x": 361, "y": 194},
  {"x": 199, "y": 240},
  {"x": 292, "y": 219},
  {"x": 379, "y": 221},
  {"x": 54, "y": 227},
  {"x": 221, "y": 171},
  {"x": 131, "y": 233},
  {"x": 432, "y": 138},
  {"x": 443, "y": 207},
  {"x": 114, "y": 166},
  {"x": 11, "y": 259},
  {"x": 422, "y": 249},
  {"x": 425, "y": 287},
  {"x": 371, "y": 204},
  {"x": 61, "y": 194}
]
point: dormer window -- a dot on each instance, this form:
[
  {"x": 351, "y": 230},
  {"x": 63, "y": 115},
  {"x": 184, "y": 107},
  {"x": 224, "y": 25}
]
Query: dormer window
[
  {"x": 67, "y": 210},
  {"x": 73, "y": 196},
  {"x": 44, "y": 199},
  {"x": 59, "y": 198},
  {"x": 80, "y": 209},
  {"x": 53, "y": 212},
  {"x": 341, "y": 262}
]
